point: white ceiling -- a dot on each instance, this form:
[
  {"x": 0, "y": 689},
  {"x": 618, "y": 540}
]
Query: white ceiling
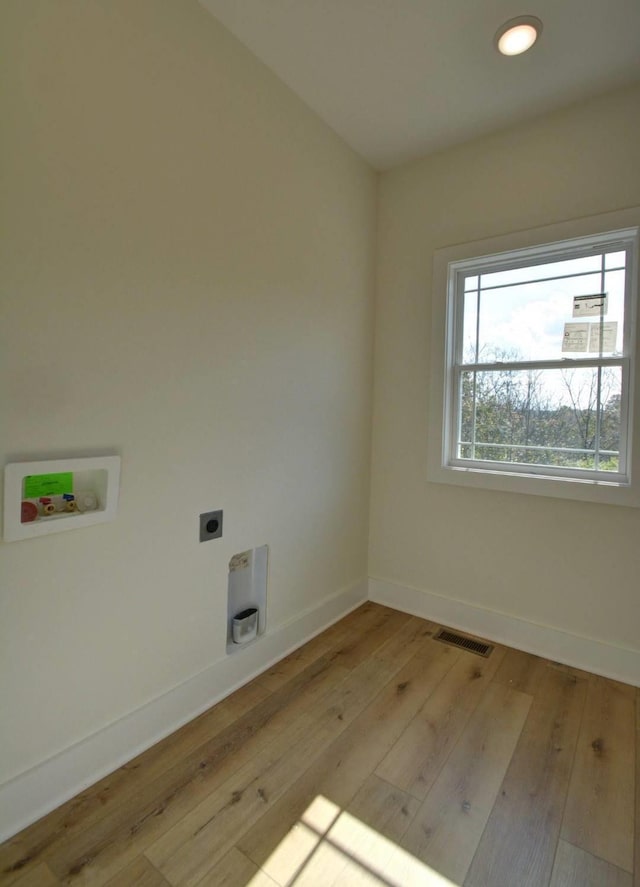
[{"x": 400, "y": 78}]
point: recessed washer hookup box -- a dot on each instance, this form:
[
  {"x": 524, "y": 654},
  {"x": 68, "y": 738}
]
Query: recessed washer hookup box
[{"x": 52, "y": 495}]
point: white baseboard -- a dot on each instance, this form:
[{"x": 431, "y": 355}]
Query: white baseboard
[
  {"x": 619, "y": 663},
  {"x": 37, "y": 791}
]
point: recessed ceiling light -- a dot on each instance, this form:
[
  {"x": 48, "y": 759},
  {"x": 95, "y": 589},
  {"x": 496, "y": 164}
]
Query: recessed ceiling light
[{"x": 518, "y": 34}]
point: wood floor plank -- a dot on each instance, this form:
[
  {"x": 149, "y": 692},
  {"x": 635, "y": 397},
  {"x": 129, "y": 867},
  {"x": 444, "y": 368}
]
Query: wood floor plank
[
  {"x": 139, "y": 873},
  {"x": 384, "y": 808},
  {"x": 282, "y": 672},
  {"x": 91, "y": 806},
  {"x": 577, "y": 868},
  {"x": 39, "y": 875},
  {"x": 188, "y": 850},
  {"x": 341, "y": 770},
  {"x": 355, "y": 623},
  {"x": 600, "y": 805},
  {"x": 521, "y": 671},
  {"x": 402, "y": 869},
  {"x": 519, "y": 841},
  {"x": 349, "y": 642},
  {"x": 413, "y": 639},
  {"x": 16, "y": 860},
  {"x": 447, "y": 829},
  {"x": 95, "y": 854},
  {"x": 419, "y": 754},
  {"x": 235, "y": 870},
  {"x": 361, "y": 644}
]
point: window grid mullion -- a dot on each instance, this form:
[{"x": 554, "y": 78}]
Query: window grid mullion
[
  {"x": 504, "y": 286},
  {"x": 585, "y": 363},
  {"x": 596, "y": 363},
  {"x": 474, "y": 412},
  {"x": 596, "y": 462}
]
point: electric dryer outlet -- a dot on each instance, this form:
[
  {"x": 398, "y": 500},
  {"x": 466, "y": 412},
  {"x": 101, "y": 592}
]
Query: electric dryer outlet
[{"x": 210, "y": 525}]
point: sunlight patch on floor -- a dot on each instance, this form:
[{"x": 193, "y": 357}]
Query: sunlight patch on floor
[
  {"x": 328, "y": 846},
  {"x": 292, "y": 853}
]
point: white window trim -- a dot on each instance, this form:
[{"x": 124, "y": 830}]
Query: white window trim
[{"x": 442, "y": 338}]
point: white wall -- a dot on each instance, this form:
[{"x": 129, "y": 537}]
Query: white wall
[
  {"x": 187, "y": 280},
  {"x": 556, "y": 563}
]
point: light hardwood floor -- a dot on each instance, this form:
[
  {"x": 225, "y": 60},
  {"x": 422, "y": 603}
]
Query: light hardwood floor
[{"x": 373, "y": 755}]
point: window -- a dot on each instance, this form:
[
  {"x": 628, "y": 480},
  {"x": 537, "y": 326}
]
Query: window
[{"x": 537, "y": 370}]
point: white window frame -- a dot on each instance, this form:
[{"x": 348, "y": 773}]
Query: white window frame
[{"x": 531, "y": 247}]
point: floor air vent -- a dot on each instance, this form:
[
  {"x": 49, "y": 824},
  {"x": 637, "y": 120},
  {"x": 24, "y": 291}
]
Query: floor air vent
[{"x": 458, "y": 640}]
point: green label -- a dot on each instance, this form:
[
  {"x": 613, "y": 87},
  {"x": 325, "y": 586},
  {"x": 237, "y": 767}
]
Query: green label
[{"x": 37, "y": 485}]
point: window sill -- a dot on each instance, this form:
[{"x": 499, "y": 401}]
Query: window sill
[{"x": 599, "y": 491}]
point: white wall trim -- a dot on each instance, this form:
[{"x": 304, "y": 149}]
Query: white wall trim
[
  {"x": 608, "y": 660},
  {"x": 42, "y": 788}
]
